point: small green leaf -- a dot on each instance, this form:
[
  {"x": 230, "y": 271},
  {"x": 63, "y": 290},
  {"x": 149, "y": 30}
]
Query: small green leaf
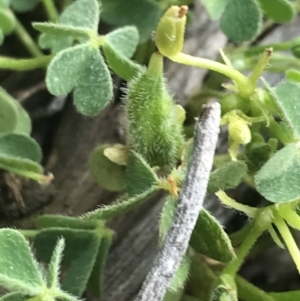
[
  {"x": 62, "y": 30},
  {"x": 241, "y": 20},
  {"x": 82, "y": 13},
  {"x": 106, "y": 173},
  {"x": 293, "y": 75},
  {"x": 54, "y": 265},
  {"x": 278, "y": 180},
  {"x": 228, "y": 176},
  {"x": 121, "y": 13},
  {"x": 61, "y": 221},
  {"x": 94, "y": 87},
  {"x": 23, "y": 6},
  {"x": 140, "y": 177},
  {"x": 19, "y": 272},
  {"x": 215, "y": 7},
  {"x": 7, "y": 21},
  {"x": 79, "y": 256},
  {"x": 65, "y": 69},
  {"x": 181, "y": 274},
  {"x": 286, "y": 296},
  {"x": 4, "y": 3},
  {"x": 8, "y": 113},
  {"x": 96, "y": 279},
  {"x": 287, "y": 98},
  {"x": 23, "y": 121},
  {"x": 209, "y": 238},
  {"x": 118, "y": 47},
  {"x": 278, "y": 10},
  {"x": 56, "y": 44},
  {"x": 123, "y": 40},
  {"x": 119, "y": 207},
  {"x": 20, "y": 146}
]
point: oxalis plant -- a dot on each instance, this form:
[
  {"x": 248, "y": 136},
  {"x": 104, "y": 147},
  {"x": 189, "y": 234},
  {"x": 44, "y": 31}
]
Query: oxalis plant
[{"x": 160, "y": 153}]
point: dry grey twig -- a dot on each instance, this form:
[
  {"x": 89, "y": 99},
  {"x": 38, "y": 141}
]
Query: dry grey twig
[{"x": 190, "y": 204}]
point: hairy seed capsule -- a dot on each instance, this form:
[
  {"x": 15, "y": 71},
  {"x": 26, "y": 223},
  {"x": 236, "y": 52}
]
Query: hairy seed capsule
[
  {"x": 169, "y": 36},
  {"x": 155, "y": 129}
]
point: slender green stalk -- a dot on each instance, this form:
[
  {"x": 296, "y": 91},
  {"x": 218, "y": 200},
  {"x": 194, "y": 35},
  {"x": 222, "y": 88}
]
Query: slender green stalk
[
  {"x": 288, "y": 239},
  {"x": 249, "y": 292},
  {"x": 245, "y": 86},
  {"x": 51, "y": 10},
  {"x": 26, "y": 39},
  {"x": 276, "y": 47},
  {"x": 24, "y": 64},
  {"x": 261, "y": 223}
]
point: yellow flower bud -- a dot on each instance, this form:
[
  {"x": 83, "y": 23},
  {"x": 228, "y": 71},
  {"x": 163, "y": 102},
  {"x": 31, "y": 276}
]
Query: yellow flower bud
[
  {"x": 239, "y": 131},
  {"x": 169, "y": 36}
]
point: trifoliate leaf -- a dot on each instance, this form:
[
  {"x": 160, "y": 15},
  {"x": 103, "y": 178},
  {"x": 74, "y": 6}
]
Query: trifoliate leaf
[
  {"x": 293, "y": 75},
  {"x": 287, "y": 98},
  {"x": 81, "y": 67},
  {"x": 82, "y": 14},
  {"x": 94, "y": 87},
  {"x": 209, "y": 238},
  {"x": 7, "y": 21},
  {"x": 241, "y": 20},
  {"x": 130, "y": 12},
  {"x": 106, "y": 173},
  {"x": 19, "y": 272},
  {"x": 227, "y": 176},
  {"x": 215, "y": 7},
  {"x": 140, "y": 177},
  {"x": 23, "y": 6},
  {"x": 278, "y": 180},
  {"x": 278, "y": 10},
  {"x": 79, "y": 255}
]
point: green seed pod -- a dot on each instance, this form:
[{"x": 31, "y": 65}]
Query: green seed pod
[
  {"x": 169, "y": 36},
  {"x": 155, "y": 129},
  {"x": 239, "y": 131}
]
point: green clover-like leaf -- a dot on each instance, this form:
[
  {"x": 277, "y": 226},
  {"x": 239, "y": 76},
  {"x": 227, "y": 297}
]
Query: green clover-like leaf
[
  {"x": 241, "y": 20},
  {"x": 278, "y": 180},
  {"x": 7, "y": 21},
  {"x": 81, "y": 68},
  {"x": 19, "y": 272},
  {"x": 293, "y": 75},
  {"x": 23, "y": 6},
  {"x": 215, "y": 7}
]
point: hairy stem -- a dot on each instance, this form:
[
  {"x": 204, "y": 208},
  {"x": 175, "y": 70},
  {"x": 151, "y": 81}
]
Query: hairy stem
[{"x": 190, "y": 204}]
